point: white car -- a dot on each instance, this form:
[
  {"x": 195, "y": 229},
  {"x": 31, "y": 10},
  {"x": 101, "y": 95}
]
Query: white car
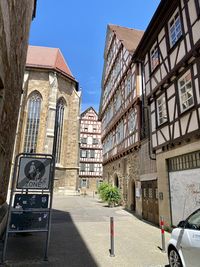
[{"x": 184, "y": 245}]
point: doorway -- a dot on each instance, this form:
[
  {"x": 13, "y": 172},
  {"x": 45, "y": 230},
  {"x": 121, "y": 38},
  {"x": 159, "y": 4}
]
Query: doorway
[
  {"x": 150, "y": 201},
  {"x": 116, "y": 181}
]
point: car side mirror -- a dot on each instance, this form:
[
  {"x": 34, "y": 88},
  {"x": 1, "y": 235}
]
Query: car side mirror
[{"x": 181, "y": 224}]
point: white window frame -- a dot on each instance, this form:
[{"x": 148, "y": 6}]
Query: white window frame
[
  {"x": 128, "y": 86},
  {"x": 154, "y": 54},
  {"x": 175, "y": 28},
  {"x": 83, "y": 153},
  {"x": 132, "y": 121},
  {"x": 186, "y": 96},
  {"x": 161, "y": 110}
]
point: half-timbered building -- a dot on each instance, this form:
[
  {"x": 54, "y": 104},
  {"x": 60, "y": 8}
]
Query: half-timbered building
[
  {"x": 169, "y": 50},
  {"x": 90, "y": 171},
  {"x": 120, "y": 112}
]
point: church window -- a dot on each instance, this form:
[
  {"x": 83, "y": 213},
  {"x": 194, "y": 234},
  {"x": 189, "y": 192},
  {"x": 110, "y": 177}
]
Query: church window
[
  {"x": 32, "y": 124},
  {"x": 60, "y": 116}
]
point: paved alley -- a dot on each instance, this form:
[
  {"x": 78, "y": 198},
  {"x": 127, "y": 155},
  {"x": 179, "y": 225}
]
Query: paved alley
[{"x": 80, "y": 238}]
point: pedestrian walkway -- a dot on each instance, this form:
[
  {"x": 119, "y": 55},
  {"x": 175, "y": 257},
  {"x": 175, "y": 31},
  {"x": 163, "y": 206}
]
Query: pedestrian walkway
[{"x": 80, "y": 238}]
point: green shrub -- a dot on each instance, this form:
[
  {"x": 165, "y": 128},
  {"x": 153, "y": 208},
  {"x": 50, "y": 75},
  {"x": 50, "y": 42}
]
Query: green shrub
[
  {"x": 101, "y": 189},
  {"x": 110, "y": 194}
]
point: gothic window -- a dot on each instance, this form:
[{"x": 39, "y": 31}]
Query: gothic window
[
  {"x": 175, "y": 29},
  {"x": 161, "y": 110},
  {"x": 185, "y": 91},
  {"x": 59, "y": 116},
  {"x": 32, "y": 124}
]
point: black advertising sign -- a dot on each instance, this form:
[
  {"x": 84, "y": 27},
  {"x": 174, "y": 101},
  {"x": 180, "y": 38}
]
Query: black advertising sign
[
  {"x": 23, "y": 218},
  {"x": 31, "y": 201},
  {"x": 27, "y": 220}
]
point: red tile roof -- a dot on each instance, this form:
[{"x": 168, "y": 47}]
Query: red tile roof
[
  {"x": 129, "y": 37},
  {"x": 46, "y": 57}
]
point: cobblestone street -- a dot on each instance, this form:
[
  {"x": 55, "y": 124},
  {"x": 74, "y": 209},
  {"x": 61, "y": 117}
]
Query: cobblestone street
[{"x": 80, "y": 237}]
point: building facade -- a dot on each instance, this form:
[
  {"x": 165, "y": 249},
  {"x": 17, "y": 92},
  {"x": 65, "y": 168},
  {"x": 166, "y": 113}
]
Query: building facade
[
  {"x": 15, "y": 20},
  {"x": 170, "y": 54},
  {"x": 50, "y": 91},
  {"x": 90, "y": 171},
  {"x": 120, "y": 113}
]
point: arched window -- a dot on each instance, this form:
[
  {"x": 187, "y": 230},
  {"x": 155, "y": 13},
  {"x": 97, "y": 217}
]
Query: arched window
[
  {"x": 60, "y": 115},
  {"x": 32, "y": 125}
]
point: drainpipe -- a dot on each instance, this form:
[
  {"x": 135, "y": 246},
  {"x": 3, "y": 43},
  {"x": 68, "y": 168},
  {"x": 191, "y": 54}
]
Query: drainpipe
[{"x": 145, "y": 107}]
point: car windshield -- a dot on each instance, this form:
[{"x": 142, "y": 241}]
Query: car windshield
[{"x": 194, "y": 221}]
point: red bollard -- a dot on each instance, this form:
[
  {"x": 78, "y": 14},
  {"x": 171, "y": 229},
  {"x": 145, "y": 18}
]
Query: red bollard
[
  {"x": 162, "y": 233},
  {"x": 112, "y": 254}
]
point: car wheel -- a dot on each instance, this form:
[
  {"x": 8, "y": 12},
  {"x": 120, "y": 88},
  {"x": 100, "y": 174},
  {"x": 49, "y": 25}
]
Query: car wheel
[{"x": 174, "y": 258}]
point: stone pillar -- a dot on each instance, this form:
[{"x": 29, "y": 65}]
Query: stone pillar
[{"x": 53, "y": 82}]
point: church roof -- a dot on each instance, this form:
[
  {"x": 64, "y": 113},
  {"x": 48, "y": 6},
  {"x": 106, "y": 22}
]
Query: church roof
[
  {"x": 129, "y": 37},
  {"x": 47, "y": 57}
]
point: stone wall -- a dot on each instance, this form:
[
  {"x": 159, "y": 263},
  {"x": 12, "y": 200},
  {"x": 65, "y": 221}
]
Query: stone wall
[
  {"x": 15, "y": 20},
  {"x": 126, "y": 170}
]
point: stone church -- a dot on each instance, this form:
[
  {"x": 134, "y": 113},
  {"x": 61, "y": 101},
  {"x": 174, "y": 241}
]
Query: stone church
[{"x": 49, "y": 89}]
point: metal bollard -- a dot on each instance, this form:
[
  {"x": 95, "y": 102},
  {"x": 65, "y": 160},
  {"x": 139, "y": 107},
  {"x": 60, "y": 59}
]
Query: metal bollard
[
  {"x": 112, "y": 254},
  {"x": 162, "y": 233}
]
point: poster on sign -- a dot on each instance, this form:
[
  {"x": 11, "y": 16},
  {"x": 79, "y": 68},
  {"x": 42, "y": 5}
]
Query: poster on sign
[{"x": 34, "y": 173}]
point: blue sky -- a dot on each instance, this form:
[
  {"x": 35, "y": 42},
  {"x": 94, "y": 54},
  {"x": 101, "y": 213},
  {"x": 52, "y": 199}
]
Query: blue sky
[{"x": 78, "y": 28}]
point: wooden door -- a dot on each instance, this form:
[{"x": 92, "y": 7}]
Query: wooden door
[{"x": 150, "y": 201}]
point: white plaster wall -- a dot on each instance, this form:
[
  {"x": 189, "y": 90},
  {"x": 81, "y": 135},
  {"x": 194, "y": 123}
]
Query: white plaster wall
[{"x": 185, "y": 193}]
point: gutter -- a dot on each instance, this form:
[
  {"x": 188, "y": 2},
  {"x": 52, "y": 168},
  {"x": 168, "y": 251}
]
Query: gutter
[{"x": 145, "y": 107}]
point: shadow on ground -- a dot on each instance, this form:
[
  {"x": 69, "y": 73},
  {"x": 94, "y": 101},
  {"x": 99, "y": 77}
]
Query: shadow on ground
[{"x": 67, "y": 248}]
